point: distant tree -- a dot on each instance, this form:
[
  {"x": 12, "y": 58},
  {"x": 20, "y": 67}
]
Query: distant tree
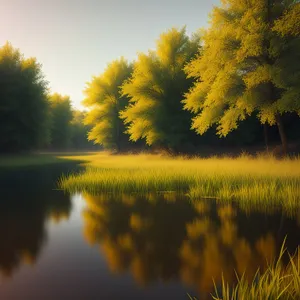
[
  {"x": 105, "y": 102},
  {"x": 61, "y": 117},
  {"x": 156, "y": 89},
  {"x": 23, "y": 102},
  {"x": 79, "y": 136},
  {"x": 250, "y": 63}
]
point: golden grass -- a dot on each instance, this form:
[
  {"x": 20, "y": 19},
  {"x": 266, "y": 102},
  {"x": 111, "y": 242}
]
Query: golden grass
[
  {"x": 246, "y": 179},
  {"x": 276, "y": 283}
]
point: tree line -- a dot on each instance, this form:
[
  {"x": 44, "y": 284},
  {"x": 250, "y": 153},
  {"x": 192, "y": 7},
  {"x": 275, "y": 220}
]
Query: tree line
[
  {"x": 30, "y": 117},
  {"x": 236, "y": 79},
  {"x": 239, "y": 79}
]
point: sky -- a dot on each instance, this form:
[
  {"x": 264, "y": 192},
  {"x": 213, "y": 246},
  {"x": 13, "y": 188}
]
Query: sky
[{"x": 75, "y": 39}]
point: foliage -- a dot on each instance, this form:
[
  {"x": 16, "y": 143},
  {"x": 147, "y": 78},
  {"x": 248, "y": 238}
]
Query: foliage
[
  {"x": 23, "y": 101},
  {"x": 289, "y": 23},
  {"x": 104, "y": 99},
  {"x": 246, "y": 66},
  {"x": 249, "y": 64},
  {"x": 61, "y": 117},
  {"x": 79, "y": 131},
  {"x": 156, "y": 89}
]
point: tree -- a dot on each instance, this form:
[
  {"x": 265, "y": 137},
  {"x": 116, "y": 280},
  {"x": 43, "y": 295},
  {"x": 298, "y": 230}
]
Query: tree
[
  {"x": 289, "y": 23},
  {"x": 250, "y": 64},
  {"x": 23, "y": 101},
  {"x": 79, "y": 139},
  {"x": 156, "y": 89},
  {"x": 61, "y": 117},
  {"x": 104, "y": 98}
]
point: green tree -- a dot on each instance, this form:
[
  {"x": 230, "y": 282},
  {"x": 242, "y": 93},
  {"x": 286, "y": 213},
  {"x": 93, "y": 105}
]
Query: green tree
[
  {"x": 23, "y": 102},
  {"x": 61, "y": 117},
  {"x": 156, "y": 89},
  {"x": 105, "y": 102},
  {"x": 80, "y": 131},
  {"x": 250, "y": 64}
]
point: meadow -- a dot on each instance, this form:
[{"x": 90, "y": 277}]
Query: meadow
[{"x": 260, "y": 180}]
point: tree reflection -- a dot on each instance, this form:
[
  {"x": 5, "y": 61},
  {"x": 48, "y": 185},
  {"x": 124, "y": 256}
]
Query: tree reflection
[
  {"x": 159, "y": 237},
  {"x": 143, "y": 237},
  {"x": 25, "y": 206}
]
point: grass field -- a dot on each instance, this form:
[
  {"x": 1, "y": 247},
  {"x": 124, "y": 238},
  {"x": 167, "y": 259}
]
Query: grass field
[{"x": 246, "y": 179}]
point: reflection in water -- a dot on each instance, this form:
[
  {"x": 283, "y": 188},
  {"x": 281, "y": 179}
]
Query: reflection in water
[
  {"x": 166, "y": 237},
  {"x": 27, "y": 201},
  {"x": 138, "y": 234},
  {"x": 157, "y": 239}
]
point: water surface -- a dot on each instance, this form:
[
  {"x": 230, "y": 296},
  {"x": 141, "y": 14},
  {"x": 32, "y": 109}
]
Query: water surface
[{"x": 59, "y": 246}]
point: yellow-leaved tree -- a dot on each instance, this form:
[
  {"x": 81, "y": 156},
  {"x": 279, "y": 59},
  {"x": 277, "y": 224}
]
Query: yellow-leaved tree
[
  {"x": 156, "y": 89},
  {"x": 250, "y": 64},
  {"x": 105, "y": 102}
]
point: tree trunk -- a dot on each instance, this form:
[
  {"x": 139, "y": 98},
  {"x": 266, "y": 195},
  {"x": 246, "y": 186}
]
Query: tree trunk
[
  {"x": 282, "y": 133},
  {"x": 117, "y": 147},
  {"x": 118, "y": 142},
  {"x": 266, "y": 136},
  {"x": 118, "y": 137}
]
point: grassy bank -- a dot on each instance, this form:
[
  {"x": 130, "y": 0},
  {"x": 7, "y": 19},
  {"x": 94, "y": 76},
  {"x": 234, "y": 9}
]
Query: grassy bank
[
  {"x": 37, "y": 159},
  {"x": 277, "y": 282},
  {"x": 257, "y": 180}
]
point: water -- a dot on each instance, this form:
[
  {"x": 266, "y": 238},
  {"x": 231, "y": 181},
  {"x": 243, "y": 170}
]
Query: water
[{"x": 59, "y": 246}]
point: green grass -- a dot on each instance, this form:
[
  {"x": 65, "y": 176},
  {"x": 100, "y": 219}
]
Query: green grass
[
  {"x": 260, "y": 180},
  {"x": 251, "y": 191},
  {"x": 35, "y": 159},
  {"x": 278, "y": 282},
  {"x": 95, "y": 180}
]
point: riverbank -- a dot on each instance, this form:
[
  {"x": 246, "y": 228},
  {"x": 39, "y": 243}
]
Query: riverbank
[
  {"x": 38, "y": 159},
  {"x": 259, "y": 180}
]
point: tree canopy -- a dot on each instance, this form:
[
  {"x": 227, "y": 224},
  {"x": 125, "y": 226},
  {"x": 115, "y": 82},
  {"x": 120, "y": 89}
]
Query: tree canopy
[
  {"x": 105, "y": 102},
  {"x": 156, "y": 89},
  {"x": 289, "y": 23},
  {"x": 79, "y": 131},
  {"x": 61, "y": 116},
  {"x": 23, "y": 101},
  {"x": 244, "y": 67},
  {"x": 250, "y": 63}
]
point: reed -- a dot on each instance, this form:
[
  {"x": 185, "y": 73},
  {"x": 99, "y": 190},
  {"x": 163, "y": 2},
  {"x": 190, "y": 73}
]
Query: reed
[
  {"x": 259, "y": 181},
  {"x": 277, "y": 282}
]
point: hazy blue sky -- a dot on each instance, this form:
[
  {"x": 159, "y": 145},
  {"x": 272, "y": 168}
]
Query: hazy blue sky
[{"x": 75, "y": 39}]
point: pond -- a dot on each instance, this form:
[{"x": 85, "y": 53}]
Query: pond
[{"x": 161, "y": 246}]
